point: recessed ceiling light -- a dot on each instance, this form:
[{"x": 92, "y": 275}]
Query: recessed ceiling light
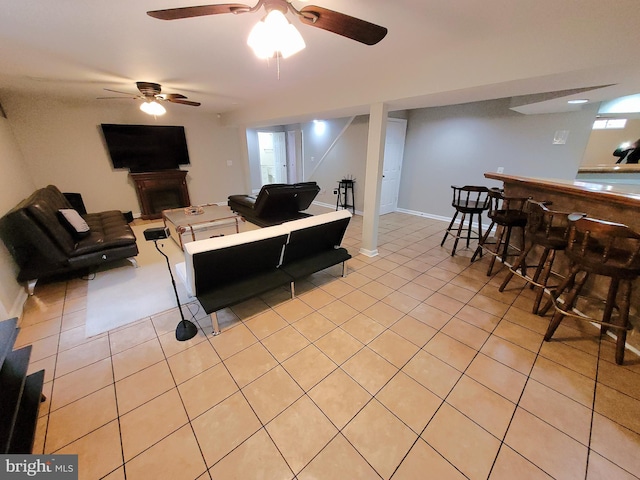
[{"x": 577, "y": 101}]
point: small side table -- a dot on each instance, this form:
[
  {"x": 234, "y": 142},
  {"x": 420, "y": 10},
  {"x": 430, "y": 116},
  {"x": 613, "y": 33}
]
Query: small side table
[{"x": 344, "y": 187}]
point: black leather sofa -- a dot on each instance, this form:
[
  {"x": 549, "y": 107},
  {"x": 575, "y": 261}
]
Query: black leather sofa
[
  {"x": 43, "y": 246},
  {"x": 276, "y": 203}
]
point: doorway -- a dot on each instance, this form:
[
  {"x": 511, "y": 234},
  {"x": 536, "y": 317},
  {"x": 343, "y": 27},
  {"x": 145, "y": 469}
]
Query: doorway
[{"x": 273, "y": 157}]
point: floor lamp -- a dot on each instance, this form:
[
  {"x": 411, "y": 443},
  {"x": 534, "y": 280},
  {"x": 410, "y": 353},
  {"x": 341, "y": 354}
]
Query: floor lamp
[{"x": 185, "y": 329}]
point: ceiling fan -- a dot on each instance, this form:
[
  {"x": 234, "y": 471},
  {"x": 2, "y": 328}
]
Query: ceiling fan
[
  {"x": 329, "y": 20},
  {"x": 151, "y": 93}
]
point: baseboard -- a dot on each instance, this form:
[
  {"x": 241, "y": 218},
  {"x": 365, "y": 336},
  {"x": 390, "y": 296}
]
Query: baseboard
[
  {"x": 439, "y": 217},
  {"x": 331, "y": 206},
  {"x": 369, "y": 253},
  {"x": 17, "y": 309},
  {"x": 424, "y": 215},
  {"x": 322, "y": 204},
  {"x": 408, "y": 212}
]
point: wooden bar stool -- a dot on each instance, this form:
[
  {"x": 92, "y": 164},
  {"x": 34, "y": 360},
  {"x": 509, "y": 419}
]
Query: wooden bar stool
[
  {"x": 548, "y": 229},
  {"x": 472, "y": 200},
  {"x": 612, "y": 250},
  {"x": 506, "y": 213}
]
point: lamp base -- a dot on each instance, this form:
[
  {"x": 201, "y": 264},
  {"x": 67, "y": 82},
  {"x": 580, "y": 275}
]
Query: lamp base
[{"x": 186, "y": 330}]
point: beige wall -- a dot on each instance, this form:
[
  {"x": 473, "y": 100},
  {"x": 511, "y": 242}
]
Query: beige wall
[
  {"x": 602, "y": 143},
  {"x": 15, "y": 184},
  {"x": 62, "y": 144}
]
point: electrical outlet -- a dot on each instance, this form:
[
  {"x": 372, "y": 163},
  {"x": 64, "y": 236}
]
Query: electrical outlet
[
  {"x": 500, "y": 169},
  {"x": 335, "y": 191}
]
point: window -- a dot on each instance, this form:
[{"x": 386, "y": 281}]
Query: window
[{"x": 610, "y": 123}]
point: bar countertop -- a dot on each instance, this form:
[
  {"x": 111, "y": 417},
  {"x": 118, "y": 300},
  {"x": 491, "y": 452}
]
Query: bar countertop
[{"x": 613, "y": 194}]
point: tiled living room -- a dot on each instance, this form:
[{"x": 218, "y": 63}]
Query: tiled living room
[{"x": 412, "y": 366}]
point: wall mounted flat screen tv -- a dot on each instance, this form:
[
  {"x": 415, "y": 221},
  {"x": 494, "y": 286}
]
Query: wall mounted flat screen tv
[{"x": 146, "y": 148}]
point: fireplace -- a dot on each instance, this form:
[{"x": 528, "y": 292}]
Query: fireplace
[{"x": 161, "y": 190}]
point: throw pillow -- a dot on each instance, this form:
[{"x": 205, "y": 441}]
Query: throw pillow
[{"x": 74, "y": 223}]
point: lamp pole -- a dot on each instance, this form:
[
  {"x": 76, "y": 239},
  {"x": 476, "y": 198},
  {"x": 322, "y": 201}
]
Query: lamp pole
[{"x": 185, "y": 329}]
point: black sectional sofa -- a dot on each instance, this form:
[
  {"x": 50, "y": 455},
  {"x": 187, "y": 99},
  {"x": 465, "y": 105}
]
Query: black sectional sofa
[
  {"x": 43, "y": 244},
  {"x": 275, "y": 203}
]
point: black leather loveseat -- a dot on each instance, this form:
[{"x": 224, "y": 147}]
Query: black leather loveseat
[
  {"x": 44, "y": 245},
  {"x": 276, "y": 203}
]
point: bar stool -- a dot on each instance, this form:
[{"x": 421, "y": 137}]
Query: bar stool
[
  {"x": 506, "y": 213},
  {"x": 344, "y": 187},
  {"x": 600, "y": 248},
  {"x": 548, "y": 229},
  {"x": 472, "y": 200}
]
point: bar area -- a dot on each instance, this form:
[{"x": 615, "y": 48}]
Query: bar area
[{"x": 601, "y": 201}]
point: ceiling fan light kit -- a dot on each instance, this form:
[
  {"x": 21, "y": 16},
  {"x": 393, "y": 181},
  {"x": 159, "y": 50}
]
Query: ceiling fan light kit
[
  {"x": 274, "y": 35},
  {"x": 153, "y": 108}
]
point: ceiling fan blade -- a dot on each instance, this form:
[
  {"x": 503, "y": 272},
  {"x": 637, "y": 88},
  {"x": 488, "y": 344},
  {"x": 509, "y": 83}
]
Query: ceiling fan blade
[
  {"x": 118, "y": 98},
  {"x": 118, "y": 91},
  {"x": 183, "y": 102},
  {"x": 342, "y": 24},
  {"x": 188, "y": 12},
  {"x": 171, "y": 96}
]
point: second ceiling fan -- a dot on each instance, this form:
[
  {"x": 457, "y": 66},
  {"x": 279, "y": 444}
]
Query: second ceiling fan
[{"x": 151, "y": 93}]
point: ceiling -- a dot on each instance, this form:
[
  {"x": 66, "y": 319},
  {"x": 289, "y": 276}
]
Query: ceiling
[{"x": 436, "y": 53}]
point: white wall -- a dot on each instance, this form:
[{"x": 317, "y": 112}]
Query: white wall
[
  {"x": 456, "y": 145},
  {"x": 451, "y": 145},
  {"x": 338, "y": 153},
  {"x": 15, "y": 184},
  {"x": 62, "y": 144}
]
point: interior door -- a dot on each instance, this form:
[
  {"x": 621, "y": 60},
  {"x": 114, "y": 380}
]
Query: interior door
[
  {"x": 293, "y": 154},
  {"x": 392, "y": 168}
]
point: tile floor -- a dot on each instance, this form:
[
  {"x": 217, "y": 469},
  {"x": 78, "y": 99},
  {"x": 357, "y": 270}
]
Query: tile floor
[{"x": 413, "y": 366}]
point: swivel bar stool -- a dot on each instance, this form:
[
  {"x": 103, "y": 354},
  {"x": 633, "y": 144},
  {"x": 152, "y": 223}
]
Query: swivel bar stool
[
  {"x": 548, "y": 229},
  {"x": 506, "y": 213},
  {"x": 472, "y": 200},
  {"x": 600, "y": 248}
]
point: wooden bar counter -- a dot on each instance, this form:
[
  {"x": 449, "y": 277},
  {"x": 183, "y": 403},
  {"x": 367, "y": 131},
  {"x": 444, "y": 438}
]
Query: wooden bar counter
[
  {"x": 606, "y": 202},
  {"x": 603, "y": 201}
]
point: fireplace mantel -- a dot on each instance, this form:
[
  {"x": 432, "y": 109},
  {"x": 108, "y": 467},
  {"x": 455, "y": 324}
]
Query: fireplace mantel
[{"x": 161, "y": 190}]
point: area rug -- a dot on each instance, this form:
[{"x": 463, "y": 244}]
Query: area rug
[{"x": 120, "y": 294}]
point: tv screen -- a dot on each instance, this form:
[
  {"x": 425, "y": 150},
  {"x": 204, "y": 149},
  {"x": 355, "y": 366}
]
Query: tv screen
[{"x": 146, "y": 148}]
